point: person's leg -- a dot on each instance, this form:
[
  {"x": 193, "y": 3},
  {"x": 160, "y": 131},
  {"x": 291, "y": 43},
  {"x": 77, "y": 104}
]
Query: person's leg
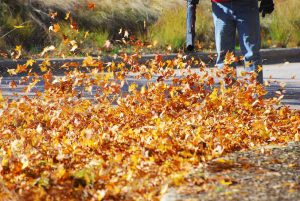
[
  {"x": 248, "y": 25},
  {"x": 190, "y": 23},
  {"x": 225, "y": 30}
]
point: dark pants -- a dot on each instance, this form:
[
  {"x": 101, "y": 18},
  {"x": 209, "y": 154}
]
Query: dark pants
[{"x": 190, "y": 23}]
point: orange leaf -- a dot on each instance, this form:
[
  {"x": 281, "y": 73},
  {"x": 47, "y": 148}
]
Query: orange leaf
[
  {"x": 56, "y": 28},
  {"x": 91, "y": 6},
  {"x": 21, "y": 68}
]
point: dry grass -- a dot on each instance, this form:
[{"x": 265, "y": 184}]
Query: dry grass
[
  {"x": 111, "y": 15},
  {"x": 284, "y": 26},
  {"x": 104, "y": 20}
]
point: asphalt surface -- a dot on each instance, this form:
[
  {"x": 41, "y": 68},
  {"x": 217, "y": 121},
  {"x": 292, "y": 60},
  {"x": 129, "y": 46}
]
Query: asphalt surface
[
  {"x": 288, "y": 73},
  {"x": 276, "y": 74},
  {"x": 270, "y": 56}
]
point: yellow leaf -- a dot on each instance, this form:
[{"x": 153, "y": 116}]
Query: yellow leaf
[
  {"x": 18, "y": 52},
  {"x": 60, "y": 172},
  {"x": 12, "y": 71},
  {"x": 43, "y": 68},
  {"x": 178, "y": 179},
  {"x": 19, "y": 27},
  {"x": 1, "y": 96},
  {"x": 18, "y": 48},
  {"x": 89, "y": 61},
  {"x": 259, "y": 69},
  {"x": 44, "y": 65},
  {"x": 226, "y": 182},
  {"x": 4, "y": 162},
  {"x": 86, "y": 34},
  {"x": 30, "y": 62},
  {"x": 243, "y": 73},
  {"x": 67, "y": 15},
  {"x": 248, "y": 64},
  {"x": 222, "y": 160},
  {"x": 214, "y": 95},
  {"x": 132, "y": 87}
]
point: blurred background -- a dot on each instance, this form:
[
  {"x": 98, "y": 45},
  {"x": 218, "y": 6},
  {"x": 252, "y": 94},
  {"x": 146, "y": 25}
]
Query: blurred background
[{"x": 98, "y": 26}]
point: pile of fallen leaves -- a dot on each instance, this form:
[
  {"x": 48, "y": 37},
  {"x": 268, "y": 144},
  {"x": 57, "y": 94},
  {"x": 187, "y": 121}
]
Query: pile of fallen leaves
[{"x": 94, "y": 134}]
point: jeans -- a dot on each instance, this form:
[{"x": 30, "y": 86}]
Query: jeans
[{"x": 243, "y": 16}]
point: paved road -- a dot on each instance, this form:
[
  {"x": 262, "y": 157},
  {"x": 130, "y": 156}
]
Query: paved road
[{"x": 288, "y": 73}]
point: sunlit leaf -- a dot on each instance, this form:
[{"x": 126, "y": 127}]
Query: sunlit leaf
[
  {"x": 47, "y": 49},
  {"x": 19, "y": 27},
  {"x": 67, "y": 15},
  {"x": 74, "y": 45},
  {"x": 30, "y": 62},
  {"x": 55, "y": 28},
  {"x": 12, "y": 71}
]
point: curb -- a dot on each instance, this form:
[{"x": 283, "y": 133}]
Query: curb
[
  {"x": 270, "y": 56},
  {"x": 280, "y": 55}
]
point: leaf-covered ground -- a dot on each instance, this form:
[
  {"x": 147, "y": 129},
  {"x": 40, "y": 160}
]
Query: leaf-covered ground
[
  {"x": 265, "y": 173},
  {"x": 59, "y": 145}
]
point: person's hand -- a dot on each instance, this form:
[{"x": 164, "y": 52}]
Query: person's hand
[
  {"x": 266, "y": 7},
  {"x": 194, "y": 2}
]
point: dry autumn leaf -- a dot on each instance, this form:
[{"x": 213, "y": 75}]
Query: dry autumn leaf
[
  {"x": 47, "y": 49},
  {"x": 98, "y": 134}
]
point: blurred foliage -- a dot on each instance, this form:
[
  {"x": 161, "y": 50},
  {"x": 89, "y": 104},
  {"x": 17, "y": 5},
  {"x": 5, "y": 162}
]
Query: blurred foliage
[{"x": 284, "y": 25}]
